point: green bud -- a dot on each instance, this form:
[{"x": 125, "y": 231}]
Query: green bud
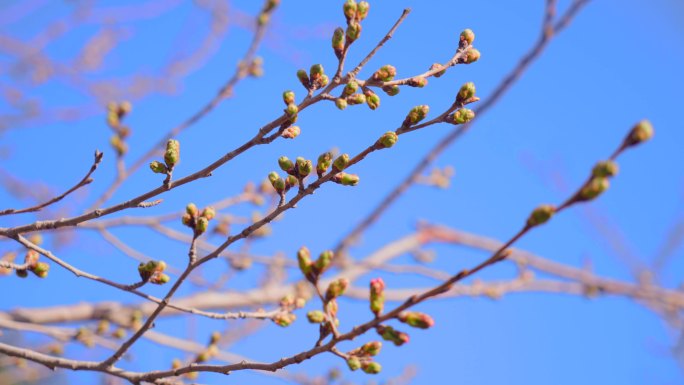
[
  {"x": 304, "y": 260},
  {"x": 346, "y": 179},
  {"x": 336, "y": 288},
  {"x": 464, "y": 115},
  {"x": 158, "y": 167},
  {"x": 316, "y": 316},
  {"x": 291, "y": 181},
  {"x": 341, "y": 103},
  {"x": 291, "y": 132},
  {"x": 356, "y": 99},
  {"x": 323, "y": 262},
  {"x": 316, "y": 72},
  {"x": 172, "y": 154},
  {"x": 467, "y": 37},
  {"x": 338, "y": 42},
  {"x": 353, "y": 31},
  {"x": 416, "y": 114},
  {"x": 389, "y": 334},
  {"x": 303, "y": 78},
  {"x": 385, "y": 74},
  {"x": 472, "y": 56},
  {"x": 201, "y": 225},
  {"x": 323, "y": 81},
  {"x": 284, "y": 319},
  {"x": 437, "y": 66},
  {"x": 391, "y": 90},
  {"x": 324, "y": 162},
  {"x": 416, "y": 319},
  {"x": 354, "y": 363},
  {"x": 192, "y": 209},
  {"x": 371, "y": 348},
  {"x": 541, "y": 215},
  {"x": 377, "y": 296},
  {"x": 285, "y": 164},
  {"x": 371, "y": 367},
  {"x": 594, "y": 188},
  {"x": 349, "y": 9},
  {"x": 607, "y": 168},
  {"x": 341, "y": 162},
  {"x": 641, "y": 132},
  {"x": 466, "y": 92},
  {"x": 273, "y": 176},
  {"x": 362, "y": 10},
  {"x": 388, "y": 139},
  {"x": 372, "y": 99},
  {"x": 187, "y": 219},
  {"x": 288, "y": 97},
  {"x": 160, "y": 279},
  {"x": 118, "y": 145},
  {"x": 350, "y": 88},
  {"x": 209, "y": 213},
  {"x": 418, "y": 81},
  {"x": 279, "y": 185},
  {"x": 304, "y": 167},
  {"x": 41, "y": 269},
  {"x": 291, "y": 110}
]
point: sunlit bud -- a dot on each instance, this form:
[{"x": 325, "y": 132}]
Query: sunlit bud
[
  {"x": 316, "y": 72},
  {"x": 201, "y": 225},
  {"x": 641, "y": 132},
  {"x": 350, "y": 88},
  {"x": 341, "y": 103},
  {"x": 172, "y": 154},
  {"x": 356, "y": 99},
  {"x": 119, "y": 333},
  {"x": 338, "y": 42},
  {"x": 285, "y": 164},
  {"x": 418, "y": 81},
  {"x": 214, "y": 338},
  {"x": 323, "y": 163},
  {"x": 158, "y": 167},
  {"x": 466, "y": 92},
  {"x": 209, "y": 213},
  {"x": 377, "y": 296},
  {"x": 391, "y": 90},
  {"x": 389, "y": 334},
  {"x": 160, "y": 279},
  {"x": 472, "y": 56},
  {"x": 284, "y": 319},
  {"x": 291, "y": 132},
  {"x": 323, "y": 81},
  {"x": 388, "y": 139},
  {"x": 353, "y": 31},
  {"x": 288, "y": 97},
  {"x": 336, "y": 288},
  {"x": 202, "y": 357},
  {"x": 300, "y": 302},
  {"x": 464, "y": 115},
  {"x": 316, "y": 316},
  {"x": 303, "y": 78},
  {"x": 371, "y": 367},
  {"x": 41, "y": 269},
  {"x": 192, "y": 209},
  {"x": 323, "y": 262},
  {"x": 354, "y": 363},
  {"x": 273, "y": 176},
  {"x": 291, "y": 181},
  {"x": 341, "y": 162},
  {"x": 112, "y": 119},
  {"x": 416, "y": 114},
  {"x": 279, "y": 185},
  {"x": 291, "y": 110},
  {"x": 346, "y": 179},
  {"x": 118, "y": 145},
  {"x": 304, "y": 260},
  {"x": 385, "y": 73},
  {"x": 371, "y": 348},
  {"x": 467, "y": 37},
  {"x": 372, "y": 99},
  {"x": 362, "y": 10},
  {"x": 606, "y": 168},
  {"x": 540, "y": 215},
  {"x": 304, "y": 166},
  {"x": 256, "y": 67},
  {"x": 31, "y": 258},
  {"x": 186, "y": 219},
  {"x": 416, "y": 319},
  {"x": 332, "y": 307},
  {"x": 349, "y": 9},
  {"x": 594, "y": 188},
  {"x": 437, "y": 66}
]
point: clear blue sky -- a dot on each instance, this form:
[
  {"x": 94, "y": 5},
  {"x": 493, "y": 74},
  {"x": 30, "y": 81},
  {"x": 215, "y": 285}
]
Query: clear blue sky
[{"x": 619, "y": 62}]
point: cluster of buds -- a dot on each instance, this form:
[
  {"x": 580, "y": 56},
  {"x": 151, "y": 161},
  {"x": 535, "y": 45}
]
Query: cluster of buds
[
  {"x": 416, "y": 115},
  {"x": 312, "y": 270},
  {"x": 153, "y": 272},
  {"x": 416, "y": 319},
  {"x": 462, "y": 116},
  {"x": 466, "y": 94},
  {"x": 377, "y": 296},
  {"x": 368, "y": 366},
  {"x": 336, "y": 288},
  {"x": 196, "y": 220},
  {"x": 388, "y": 333},
  {"x": 171, "y": 158},
  {"x": 360, "y": 358},
  {"x": 288, "y": 304},
  {"x": 115, "y": 114},
  {"x": 369, "y": 349},
  {"x": 265, "y": 13},
  {"x": 211, "y": 350},
  {"x": 315, "y": 79},
  {"x": 541, "y": 215},
  {"x": 40, "y": 269},
  {"x": 598, "y": 181},
  {"x": 296, "y": 171},
  {"x": 386, "y": 73},
  {"x": 465, "y": 43},
  {"x": 354, "y": 13},
  {"x": 350, "y": 97},
  {"x": 85, "y": 336},
  {"x": 441, "y": 70}
]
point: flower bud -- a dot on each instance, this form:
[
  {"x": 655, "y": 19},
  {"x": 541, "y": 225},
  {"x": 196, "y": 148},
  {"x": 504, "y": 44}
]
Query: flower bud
[
  {"x": 353, "y": 31},
  {"x": 341, "y": 103},
  {"x": 118, "y": 145},
  {"x": 385, "y": 74},
  {"x": 187, "y": 219},
  {"x": 607, "y": 168},
  {"x": 641, "y": 132},
  {"x": 372, "y": 99},
  {"x": 288, "y": 97},
  {"x": 316, "y": 316},
  {"x": 323, "y": 81},
  {"x": 356, "y": 99},
  {"x": 418, "y": 81},
  {"x": 464, "y": 115},
  {"x": 467, "y": 37},
  {"x": 41, "y": 269},
  {"x": 323, "y": 163},
  {"x": 304, "y": 167},
  {"x": 389, "y": 334},
  {"x": 284, "y": 319},
  {"x": 437, "y": 66},
  {"x": 346, "y": 179},
  {"x": 354, "y": 363},
  {"x": 209, "y": 213},
  {"x": 286, "y": 164},
  {"x": 291, "y": 111},
  {"x": 323, "y": 262},
  {"x": 315, "y": 72},
  {"x": 341, "y": 162},
  {"x": 273, "y": 176},
  {"x": 304, "y": 260},
  {"x": 388, "y": 139},
  {"x": 160, "y": 279},
  {"x": 541, "y": 215},
  {"x": 391, "y": 90},
  {"x": 331, "y": 307},
  {"x": 371, "y": 367},
  {"x": 362, "y": 10},
  {"x": 338, "y": 42},
  {"x": 279, "y": 185},
  {"x": 416, "y": 319},
  {"x": 291, "y": 181},
  {"x": 466, "y": 92},
  {"x": 336, "y": 288},
  {"x": 371, "y": 348},
  {"x": 349, "y": 9},
  {"x": 192, "y": 209},
  {"x": 472, "y": 56},
  {"x": 416, "y": 114},
  {"x": 172, "y": 154},
  {"x": 350, "y": 88},
  {"x": 594, "y": 188},
  {"x": 377, "y": 296},
  {"x": 201, "y": 225},
  {"x": 291, "y": 132},
  {"x": 303, "y": 78},
  {"x": 158, "y": 167}
]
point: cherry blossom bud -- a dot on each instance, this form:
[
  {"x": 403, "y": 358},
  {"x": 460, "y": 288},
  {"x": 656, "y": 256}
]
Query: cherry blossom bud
[
  {"x": 354, "y": 363},
  {"x": 316, "y": 72},
  {"x": 323, "y": 164},
  {"x": 288, "y": 97},
  {"x": 356, "y": 99},
  {"x": 371, "y": 367},
  {"x": 416, "y": 319},
  {"x": 417, "y": 114},
  {"x": 304, "y": 167},
  {"x": 641, "y": 132},
  {"x": 385, "y": 74},
  {"x": 350, "y": 88},
  {"x": 291, "y": 181},
  {"x": 172, "y": 154},
  {"x": 418, "y": 81},
  {"x": 467, "y": 37},
  {"x": 187, "y": 219},
  {"x": 292, "y": 111},
  {"x": 158, "y": 167},
  {"x": 346, "y": 179},
  {"x": 341, "y": 162},
  {"x": 377, "y": 296},
  {"x": 607, "y": 168},
  {"x": 192, "y": 209},
  {"x": 391, "y": 90},
  {"x": 338, "y": 42},
  {"x": 201, "y": 225},
  {"x": 304, "y": 79},
  {"x": 371, "y": 348},
  {"x": 341, "y": 103},
  {"x": 372, "y": 99},
  {"x": 284, "y": 319},
  {"x": 286, "y": 164},
  {"x": 353, "y": 32},
  {"x": 209, "y": 213},
  {"x": 41, "y": 269},
  {"x": 316, "y": 316},
  {"x": 437, "y": 66},
  {"x": 323, "y": 262},
  {"x": 304, "y": 260},
  {"x": 541, "y": 215},
  {"x": 388, "y": 139},
  {"x": 594, "y": 188},
  {"x": 466, "y": 92},
  {"x": 472, "y": 56},
  {"x": 349, "y": 9},
  {"x": 336, "y": 288},
  {"x": 464, "y": 115},
  {"x": 362, "y": 10},
  {"x": 389, "y": 334},
  {"x": 291, "y": 132}
]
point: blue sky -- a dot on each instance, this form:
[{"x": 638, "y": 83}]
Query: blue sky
[{"x": 619, "y": 62}]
